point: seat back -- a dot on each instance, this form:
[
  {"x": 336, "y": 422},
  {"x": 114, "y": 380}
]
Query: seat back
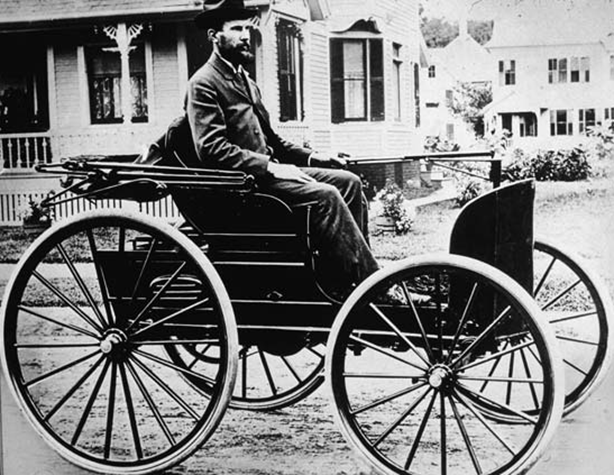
[
  {"x": 497, "y": 228},
  {"x": 258, "y": 244}
]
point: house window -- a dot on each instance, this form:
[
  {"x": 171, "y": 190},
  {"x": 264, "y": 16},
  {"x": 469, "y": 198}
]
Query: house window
[
  {"x": 608, "y": 116},
  {"x": 561, "y": 122},
  {"x": 612, "y": 67},
  {"x": 23, "y": 88},
  {"x": 528, "y": 125},
  {"x": 449, "y": 97},
  {"x": 105, "y": 84},
  {"x": 557, "y": 70},
  {"x": 396, "y": 80},
  {"x": 507, "y": 73},
  {"x": 586, "y": 119},
  {"x": 290, "y": 71},
  {"x": 580, "y": 69},
  {"x": 357, "y": 79},
  {"x": 432, "y": 71},
  {"x": 450, "y": 132}
]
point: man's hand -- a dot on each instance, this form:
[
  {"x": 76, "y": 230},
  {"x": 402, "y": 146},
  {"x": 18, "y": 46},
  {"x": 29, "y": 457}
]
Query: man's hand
[
  {"x": 322, "y": 160},
  {"x": 283, "y": 171}
]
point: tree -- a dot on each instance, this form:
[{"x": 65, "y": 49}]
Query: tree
[
  {"x": 468, "y": 101},
  {"x": 438, "y": 32}
]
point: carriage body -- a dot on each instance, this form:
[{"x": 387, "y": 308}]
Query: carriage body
[{"x": 230, "y": 308}]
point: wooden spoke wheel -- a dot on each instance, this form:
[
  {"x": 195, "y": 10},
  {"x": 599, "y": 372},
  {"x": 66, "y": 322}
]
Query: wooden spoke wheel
[
  {"x": 423, "y": 349},
  {"x": 85, "y": 322},
  {"x": 578, "y": 306},
  {"x": 266, "y": 379}
]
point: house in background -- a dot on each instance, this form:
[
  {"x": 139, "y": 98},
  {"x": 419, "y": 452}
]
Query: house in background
[
  {"x": 464, "y": 60},
  {"x": 88, "y": 78},
  {"x": 555, "y": 75}
]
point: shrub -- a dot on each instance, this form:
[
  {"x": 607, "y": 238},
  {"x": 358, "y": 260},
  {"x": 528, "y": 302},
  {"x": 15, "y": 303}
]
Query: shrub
[
  {"x": 393, "y": 206},
  {"x": 550, "y": 165}
]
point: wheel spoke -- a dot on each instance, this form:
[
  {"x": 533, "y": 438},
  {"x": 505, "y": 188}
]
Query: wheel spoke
[
  {"x": 139, "y": 279},
  {"x": 485, "y": 423},
  {"x": 574, "y": 316},
  {"x": 81, "y": 283},
  {"x": 500, "y": 405},
  {"x": 500, "y": 379},
  {"x": 383, "y": 375},
  {"x": 414, "y": 312},
  {"x": 578, "y": 369},
  {"x": 416, "y": 442},
  {"x": 388, "y": 398},
  {"x": 110, "y": 411},
  {"x": 544, "y": 276},
  {"x": 172, "y": 316},
  {"x": 561, "y": 294},
  {"x": 156, "y": 296},
  {"x": 399, "y": 420},
  {"x": 291, "y": 369},
  {"x": 577, "y": 340},
  {"x": 167, "y": 389},
  {"x": 395, "y": 329},
  {"x": 267, "y": 372},
  {"x": 90, "y": 402},
  {"x": 55, "y": 345},
  {"x": 73, "y": 389},
  {"x": 466, "y": 438},
  {"x": 439, "y": 318},
  {"x": 175, "y": 367},
  {"x": 510, "y": 373},
  {"x": 527, "y": 372},
  {"x": 134, "y": 428},
  {"x": 102, "y": 281},
  {"x": 482, "y": 336},
  {"x": 493, "y": 367},
  {"x": 442, "y": 430},
  {"x": 73, "y": 363},
  {"x": 151, "y": 404},
  {"x": 461, "y": 323},
  {"x": 384, "y": 352},
  {"x": 244, "y": 355},
  {"x": 75, "y": 328},
  {"x": 66, "y": 300}
]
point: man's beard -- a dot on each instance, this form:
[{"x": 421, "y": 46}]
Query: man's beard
[{"x": 237, "y": 55}]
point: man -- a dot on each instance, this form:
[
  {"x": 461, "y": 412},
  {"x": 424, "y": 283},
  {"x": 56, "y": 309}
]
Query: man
[{"x": 231, "y": 130}]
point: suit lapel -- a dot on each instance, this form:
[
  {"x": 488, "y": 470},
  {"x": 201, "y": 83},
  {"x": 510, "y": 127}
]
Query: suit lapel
[{"x": 230, "y": 76}]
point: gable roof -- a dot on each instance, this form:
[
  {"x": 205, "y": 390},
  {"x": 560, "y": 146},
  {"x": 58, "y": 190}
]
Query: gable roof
[{"x": 464, "y": 59}]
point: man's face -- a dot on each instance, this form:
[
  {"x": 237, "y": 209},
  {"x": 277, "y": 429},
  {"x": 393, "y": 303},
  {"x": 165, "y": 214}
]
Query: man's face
[{"x": 234, "y": 41}]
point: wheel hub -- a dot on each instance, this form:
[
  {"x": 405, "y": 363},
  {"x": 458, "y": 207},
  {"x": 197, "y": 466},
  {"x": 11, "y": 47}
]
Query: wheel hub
[
  {"x": 112, "y": 341},
  {"x": 440, "y": 377}
]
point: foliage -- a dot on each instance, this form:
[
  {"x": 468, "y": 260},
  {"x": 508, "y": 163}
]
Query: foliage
[
  {"x": 602, "y": 140},
  {"x": 550, "y": 165},
  {"x": 438, "y": 32},
  {"x": 468, "y": 101},
  {"x": 435, "y": 143},
  {"x": 393, "y": 206},
  {"x": 36, "y": 213}
]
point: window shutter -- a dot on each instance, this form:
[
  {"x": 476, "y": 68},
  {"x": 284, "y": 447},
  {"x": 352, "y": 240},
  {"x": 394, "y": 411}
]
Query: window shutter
[
  {"x": 376, "y": 68},
  {"x": 337, "y": 96}
]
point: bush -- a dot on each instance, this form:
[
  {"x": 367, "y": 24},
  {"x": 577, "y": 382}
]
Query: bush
[
  {"x": 394, "y": 207},
  {"x": 550, "y": 165}
]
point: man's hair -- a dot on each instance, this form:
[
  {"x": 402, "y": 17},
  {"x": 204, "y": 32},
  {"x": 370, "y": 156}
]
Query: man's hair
[{"x": 216, "y": 25}]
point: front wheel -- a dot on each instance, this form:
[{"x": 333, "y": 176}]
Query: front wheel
[
  {"x": 86, "y": 319},
  {"x": 424, "y": 349}
]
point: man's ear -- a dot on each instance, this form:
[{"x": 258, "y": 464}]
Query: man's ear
[{"x": 212, "y": 35}]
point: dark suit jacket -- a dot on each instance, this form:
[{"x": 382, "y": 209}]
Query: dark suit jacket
[{"x": 225, "y": 125}]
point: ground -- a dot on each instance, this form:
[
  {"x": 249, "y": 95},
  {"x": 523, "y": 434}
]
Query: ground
[{"x": 304, "y": 439}]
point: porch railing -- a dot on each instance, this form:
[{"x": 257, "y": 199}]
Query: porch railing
[{"x": 23, "y": 151}]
